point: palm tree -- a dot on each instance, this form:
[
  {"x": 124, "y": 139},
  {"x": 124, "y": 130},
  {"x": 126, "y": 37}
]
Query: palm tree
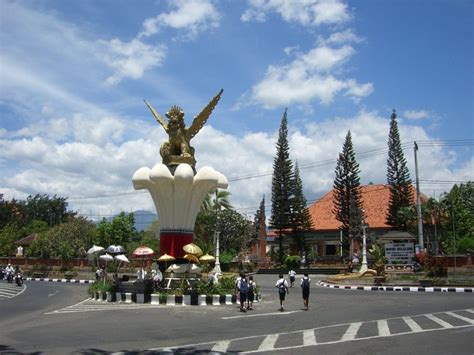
[{"x": 216, "y": 200}]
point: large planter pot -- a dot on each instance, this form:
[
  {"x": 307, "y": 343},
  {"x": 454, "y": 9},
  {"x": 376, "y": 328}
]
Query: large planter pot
[{"x": 110, "y": 296}]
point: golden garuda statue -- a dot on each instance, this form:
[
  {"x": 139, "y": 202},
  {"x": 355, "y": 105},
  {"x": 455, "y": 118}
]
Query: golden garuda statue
[{"x": 178, "y": 149}]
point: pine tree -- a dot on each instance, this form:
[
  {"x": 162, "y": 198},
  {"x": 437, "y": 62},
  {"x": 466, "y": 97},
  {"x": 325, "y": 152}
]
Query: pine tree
[
  {"x": 259, "y": 225},
  {"x": 347, "y": 195},
  {"x": 281, "y": 186},
  {"x": 301, "y": 218},
  {"x": 398, "y": 176}
]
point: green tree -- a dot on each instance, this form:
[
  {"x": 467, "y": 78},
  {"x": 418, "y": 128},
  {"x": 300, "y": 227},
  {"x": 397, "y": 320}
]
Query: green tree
[
  {"x": 65, "y": 241},
  {"x": 398, "y": 177},
  {"x": 216, "y": 200},
  {"x": 301, "y": 218},
  {"x": 120, "y": 231},
  {"x": 457, "y": 217},
  {"x": 282, "y": 179},
  {"x": 347, "y": 196},
  {"x": 259, "y": 224}
]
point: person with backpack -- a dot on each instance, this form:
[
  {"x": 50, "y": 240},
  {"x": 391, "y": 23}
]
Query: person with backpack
[
  {"x": 305, "y": 283},
  {"x": 252, "y": 288},
  {"x": 282, "y": 286},
  {"x": 243, "y": 289},
  {"x": 292, "y": 274}
]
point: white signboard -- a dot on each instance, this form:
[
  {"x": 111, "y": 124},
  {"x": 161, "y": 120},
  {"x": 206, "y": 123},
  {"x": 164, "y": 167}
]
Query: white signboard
[{"x": 399, "y": 253}]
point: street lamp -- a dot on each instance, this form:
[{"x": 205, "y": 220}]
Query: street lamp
[
  {"x": 363, "y": 267},
  {"x": 217, "y": 267}
]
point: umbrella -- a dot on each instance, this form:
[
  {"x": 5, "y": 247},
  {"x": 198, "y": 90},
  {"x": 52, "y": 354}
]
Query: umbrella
[
  {"x": 192, "y": 258},
  {"x": 178, "y": 269},
  {"x": 192, "y": 248},
  {"x": 143, "y": 252},
  {"x": 106, "y": 257},
  {"x": 115, "y": 249},
  {"x": 207, "y": 258},
  {"x": 193, "y": 268},
  {"x": 94, "y": 249},
  {"x": 121, "y": 258},
  {"x": 165, "y": 257}
]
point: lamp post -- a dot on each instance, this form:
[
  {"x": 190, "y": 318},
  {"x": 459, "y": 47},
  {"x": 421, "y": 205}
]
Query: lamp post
[
  {"x": 363, "y": 267},
  {"x": 217, "y": 267}
]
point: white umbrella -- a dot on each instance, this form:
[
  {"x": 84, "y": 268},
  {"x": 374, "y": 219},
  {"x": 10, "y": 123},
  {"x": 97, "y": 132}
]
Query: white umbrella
[
  {"x": 115, "y": 249},
  {"x": 106, "y": 257},
  {"x": 94, "y": 249},
  {"x": 121, "y": 258}
]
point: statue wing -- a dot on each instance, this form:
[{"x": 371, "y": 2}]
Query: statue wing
[
  {"x": 201, "y": 119},
  {"x": 157, "y": 116}
]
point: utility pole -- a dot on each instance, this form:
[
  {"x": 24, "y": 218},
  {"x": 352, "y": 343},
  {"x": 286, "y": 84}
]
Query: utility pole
[{"x": 418, "y": 203}]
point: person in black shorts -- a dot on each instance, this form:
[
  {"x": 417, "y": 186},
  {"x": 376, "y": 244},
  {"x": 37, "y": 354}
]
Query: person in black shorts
[
  {"x": 305, "y": 284},
  {"x": 282, "y": 286}
]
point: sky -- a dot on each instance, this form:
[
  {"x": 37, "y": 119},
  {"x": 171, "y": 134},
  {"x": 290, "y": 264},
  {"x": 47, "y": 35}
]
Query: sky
[{"x": 73, "y": 76}]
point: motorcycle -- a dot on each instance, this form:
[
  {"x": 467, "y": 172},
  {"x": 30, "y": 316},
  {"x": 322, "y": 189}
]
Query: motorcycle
[
  {"x": 2, "y": 273},
  {"x": 9, "y": 277},
  {"x": 19, "y": 279}
]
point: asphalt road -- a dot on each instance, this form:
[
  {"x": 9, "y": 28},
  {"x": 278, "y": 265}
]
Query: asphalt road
[{"x": 56, "y": 318}]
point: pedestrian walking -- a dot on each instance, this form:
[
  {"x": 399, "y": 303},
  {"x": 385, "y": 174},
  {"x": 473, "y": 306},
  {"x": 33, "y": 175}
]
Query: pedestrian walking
[
  {"x": 282, "y": 286},
  {"x": 252, "y": 289},
  {"x": 243, "y": 289},
  {"x": 305, "y": 285},
  {"x": 292, "y": 274}
]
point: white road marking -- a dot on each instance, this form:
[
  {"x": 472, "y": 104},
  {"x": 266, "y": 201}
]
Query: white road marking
[
  {"x": 351, "y": 331},
  {"x": 53, "y": 294},
  {"x": 382, "y": 326},
  {"x": 412, "y": 324},
  {"x": 465, "y": 319},
  {"x": 221, "y": 346},
  {"x": 309, "y": 338},
  {"x": 441, "y": 322},
  {"x": 261, "y": 315},
  {"x": 268, "y": 343}
]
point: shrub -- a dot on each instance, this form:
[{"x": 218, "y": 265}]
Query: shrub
[
  {"x": 466, "y": 244},
  {"x": 292, "y": 261}
]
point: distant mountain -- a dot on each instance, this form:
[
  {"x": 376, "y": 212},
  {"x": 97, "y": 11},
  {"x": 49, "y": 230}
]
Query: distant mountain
[{"x": 143, "y": 219}]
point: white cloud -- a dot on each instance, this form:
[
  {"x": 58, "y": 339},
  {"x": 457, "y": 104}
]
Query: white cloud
[
  {"x": 310, "y": 76},
  {"x": 99, "y": 167},
  {"x": 305, "y": 12},
  {"x": 131, "y": 59},
  {"x": 191, "y": 16},
  {"x": 416, "y": 114},
  {"x": 346, "y": 36}
]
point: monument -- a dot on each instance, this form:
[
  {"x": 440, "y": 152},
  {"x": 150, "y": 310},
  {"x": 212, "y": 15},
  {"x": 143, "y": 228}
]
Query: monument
[{"x": 176, "y": 187}]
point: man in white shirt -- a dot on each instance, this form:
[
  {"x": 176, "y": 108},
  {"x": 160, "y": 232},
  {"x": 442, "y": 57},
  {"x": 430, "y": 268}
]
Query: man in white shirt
[{"x": 282, "y": 286}]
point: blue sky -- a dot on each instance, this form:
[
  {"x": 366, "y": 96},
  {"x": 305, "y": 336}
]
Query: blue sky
[{"x": 73, "y": 76}]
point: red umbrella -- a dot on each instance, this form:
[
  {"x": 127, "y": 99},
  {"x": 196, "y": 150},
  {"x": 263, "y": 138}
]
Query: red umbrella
[{"x": 143, "y": 252}]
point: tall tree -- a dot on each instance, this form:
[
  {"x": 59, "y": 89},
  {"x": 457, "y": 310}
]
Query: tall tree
[
  {"x": 281, "y": 186},
  {"x": 301, "y": 218},
  {"x": 347, "y": 195},
  {"x": 216, "y": 200},
  {"x": 458, "y": 217},
  {"x": 398, "y": 176},
  {"x": 258, "y": 224}
]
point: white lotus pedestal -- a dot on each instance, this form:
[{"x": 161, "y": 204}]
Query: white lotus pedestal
[{"x": 177, "y": 198}]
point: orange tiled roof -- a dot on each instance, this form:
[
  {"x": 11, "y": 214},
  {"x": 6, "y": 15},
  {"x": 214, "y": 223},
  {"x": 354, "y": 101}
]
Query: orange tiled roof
[{"x": 375, "y": 201}]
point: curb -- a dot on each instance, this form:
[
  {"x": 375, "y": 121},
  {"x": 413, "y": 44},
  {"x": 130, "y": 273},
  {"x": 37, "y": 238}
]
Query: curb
[
  {"x": 73, "y": 281},
  {"x": 397, "y": 288}
]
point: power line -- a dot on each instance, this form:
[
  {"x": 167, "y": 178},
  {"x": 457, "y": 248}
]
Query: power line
[{"x": 362, "y": 155}]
